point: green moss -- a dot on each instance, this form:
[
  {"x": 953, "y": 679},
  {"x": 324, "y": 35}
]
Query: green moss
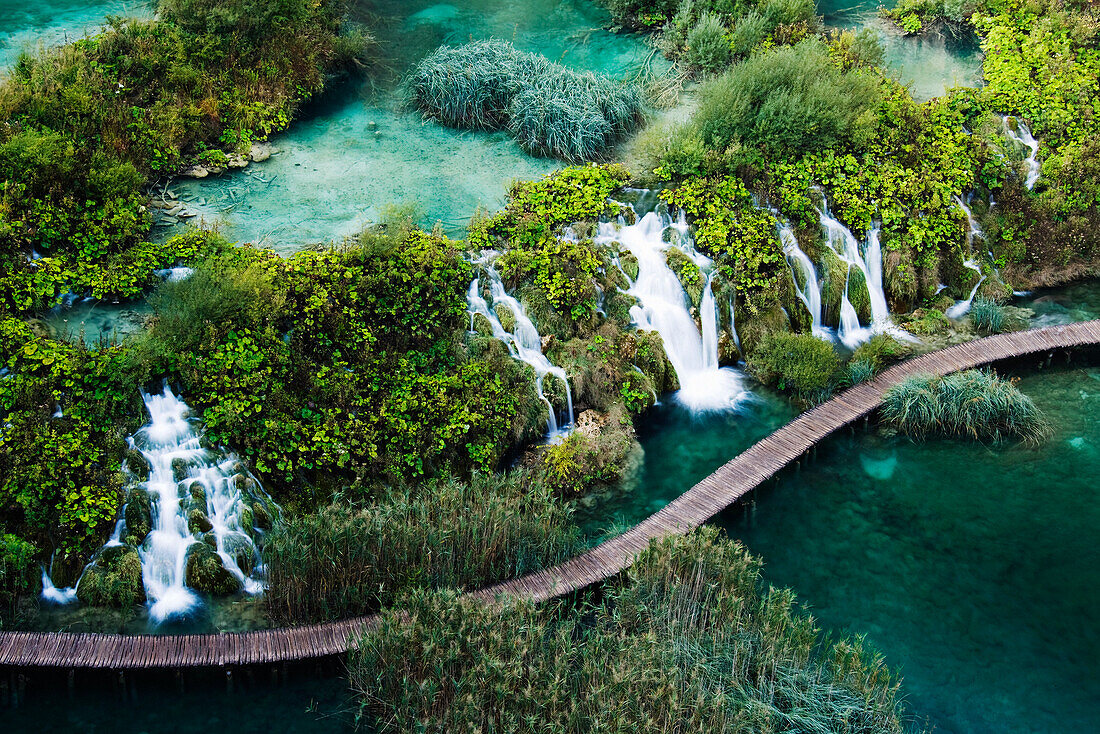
[
  {"x": 206, "y": 574},
  {"x": 597, "y": 453},
  {"x": 138, "y": 515},
  {"x": 629, "y": 264},
  {"x": 198, "y": 522},
  {"x": 836, "y": 276},
  {"x": 691, "y": 278},
  {"x": 113, "y": 579},
  {"x": 506, "y": 317}
]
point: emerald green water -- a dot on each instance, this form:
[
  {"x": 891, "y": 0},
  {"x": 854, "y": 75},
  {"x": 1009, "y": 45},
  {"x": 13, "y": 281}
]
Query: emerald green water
[
  {"x": 975, "y": 570},
  {"x": 27, "y": 25}
]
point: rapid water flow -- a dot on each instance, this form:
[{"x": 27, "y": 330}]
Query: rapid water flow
[
  {"x": 1021, "y": 135},
  {"x": 664, "y": 306},
  {"x": 807, "y": 284},
  {"x": 186, "y": 482},
  {"x": 961, "y": 308},
  {"x": 524, "y": 342},
  {"x": 845, "y": 246}
]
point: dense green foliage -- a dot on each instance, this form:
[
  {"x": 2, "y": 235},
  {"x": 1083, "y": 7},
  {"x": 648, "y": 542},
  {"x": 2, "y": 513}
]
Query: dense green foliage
[
  {"x": 801, "y": 363},
  {"x": 89, "y": 124},
  {"x": 345, "y": 366},
  {"x": 688, "y": 641},
  {"x": 443, "y": 534},
  {"x": 18, "y": 573},
  {"x": 549, "y": 109},
  {"x": 973, "y": 404}
]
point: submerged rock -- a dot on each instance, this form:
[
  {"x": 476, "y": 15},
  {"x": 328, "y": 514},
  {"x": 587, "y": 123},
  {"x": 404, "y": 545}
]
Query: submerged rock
[
  {"x": 113, "y": 580},
  {"x": 206, "y": 574},
  {"x": 260, "y": 152}
]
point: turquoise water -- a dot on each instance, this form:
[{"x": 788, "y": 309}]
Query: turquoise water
[
  {"x": 1054, "y": 307},
  {"x": 975, "y": 570},
  {"x": 34, "y": 24},
  {"x": 929, "y": 65},
  {"x": 355, "y": 151}
]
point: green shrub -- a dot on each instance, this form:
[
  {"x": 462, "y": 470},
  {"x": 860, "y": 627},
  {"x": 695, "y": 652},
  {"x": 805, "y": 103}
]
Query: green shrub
[
  {"x": 18, "y": 574},
  {"x": 974, "y": 404},
  {"x": 789, "y": 100},
  {"x": 751, "y": 29},
  {"x": 859, "y": 370},
  {"x": 880, "y": 351},
  {"x": 446, "y": 533},
  {"x": 707, "y": 47},
  {"x": 687, "y": 641},
  {"x": 801, "y": 363}
]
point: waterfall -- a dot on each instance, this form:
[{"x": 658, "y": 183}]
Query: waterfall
[
  {"x": 845, "y": 246},
  {"x": 810, "y": 291},
  {"x": 1021, "y": 135},
  {"x": 733, "y": 323},
  {"x": 664, "y": 306},
  {"x": 54, "y": 595},
  {"x": 524, "y": 343},
  {"x": 961, "y": 308}
]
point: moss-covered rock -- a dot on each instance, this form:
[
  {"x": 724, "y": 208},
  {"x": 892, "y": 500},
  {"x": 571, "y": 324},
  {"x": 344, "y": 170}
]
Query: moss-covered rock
[
  {"x": 197, "y": 492},
  {"x": 180, "y": 469},
  {"x": 754, "y": 324},
  {"x": 925, "y": 322},
  {"x": 138, "y": 516},
  {"x": 113, "y": 580},
  {"x": 482, "y": 325},
  {"x": 198, "y": 522},
  {"x": 137, "y": 464},
  {"x": 691, "y": 278},
  {"x": 261, "y": 517},
  {"x": 728, "y": 352},
  {"x": 629, "y": 264},
  {"x": 506, "y": 317},
  {"x": 243, "y": 552},
  {"x": 206, "y": 574},
  {"x": 837, "y": 276},
  {"x": 599, "y": 452}
]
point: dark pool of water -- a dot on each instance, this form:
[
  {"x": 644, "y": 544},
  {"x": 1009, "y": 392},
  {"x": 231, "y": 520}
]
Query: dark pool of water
[{"x": 974, "y": 569}]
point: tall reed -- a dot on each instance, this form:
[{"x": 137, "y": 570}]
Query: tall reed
[
  {"x": 687, "y": 642},
  {"x": 447, "y": 533},
  {"x": 976, "y": 403}
]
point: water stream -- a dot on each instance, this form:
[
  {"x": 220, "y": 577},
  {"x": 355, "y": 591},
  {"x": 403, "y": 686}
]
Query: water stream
[
  {"x": 1019, "y": 134},
  {"x": 665, "y": 307},
  {"x": 869, "y": 262},
  {"x": 524, "y": 342},
  {"x": 807, "y": 283}
]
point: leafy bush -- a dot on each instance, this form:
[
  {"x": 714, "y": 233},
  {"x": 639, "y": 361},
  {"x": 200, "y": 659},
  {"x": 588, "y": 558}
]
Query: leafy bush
[
  {"x": 18, "y": 574},
  {"x": 974, "y": 404},
  {"x": 688, "y": 641},
  {"x": 707, "y": 47},
  {"x": 801, "y": 363},
  {"x": 548, "y": 109},
  {"x": 443, "y": 534},
  {"x": 789, "y": 100}
]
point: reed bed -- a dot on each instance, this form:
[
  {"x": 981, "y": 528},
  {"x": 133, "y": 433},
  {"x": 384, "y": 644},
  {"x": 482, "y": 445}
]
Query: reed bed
[
  {"x": 976, "y": 404},
  {"x": 345, "y": 561},
  {"x": 549, "y": 109},
  {"x": 686, "y": 642}
]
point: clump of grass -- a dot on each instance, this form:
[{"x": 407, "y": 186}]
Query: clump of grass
[
  {"x": 447, "y": 533},
  {"x": 987, "y": 315},
  {"x": 549, "y": 109},
  {"x": 859, "y": 370},
  {"x": 801, "y": 363},
  {"x": 687, "y": 641},
  {"x": 976, "y": 403}
]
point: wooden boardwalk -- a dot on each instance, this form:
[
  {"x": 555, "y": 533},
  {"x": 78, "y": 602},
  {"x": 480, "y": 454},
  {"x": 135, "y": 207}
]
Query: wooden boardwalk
[{"x": 707, "y": 498}]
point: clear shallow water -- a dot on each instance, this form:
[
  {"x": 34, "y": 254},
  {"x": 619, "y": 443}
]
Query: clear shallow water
[
  {"x": 355, "y": 152},
  {"x": 929, "y": 65},
  {"x": 1054, "y": 307},
  {"x": 975, "y": 570},
  {"x": 96, "y": 321},
  {"x": 31, "y": 24}
]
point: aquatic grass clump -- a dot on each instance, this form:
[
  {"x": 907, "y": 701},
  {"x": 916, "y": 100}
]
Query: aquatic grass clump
[
  {"x": 446, "y": 533},
  {"x": 687, "y": 640},
  {"x": 549, "y": 109},
  {"x": 987, "y": 315},
  {"x": 976, "y": 404}
]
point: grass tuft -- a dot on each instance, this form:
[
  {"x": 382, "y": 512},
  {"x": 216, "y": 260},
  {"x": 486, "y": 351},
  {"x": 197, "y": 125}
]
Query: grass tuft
[
  {"x": 550, "y": 110},
  {"x": 976, "y": 403}
]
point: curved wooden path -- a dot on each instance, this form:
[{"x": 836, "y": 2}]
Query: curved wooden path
[{"x": 706, "y": 499}]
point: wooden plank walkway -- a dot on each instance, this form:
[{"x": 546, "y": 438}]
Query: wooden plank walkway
[{"x": 707, "y": 498}]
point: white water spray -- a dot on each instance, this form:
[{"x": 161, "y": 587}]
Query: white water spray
[
  {"x": 664, "y": 306},
  {"x": 802, "y": 269},
  {"x": 961, "y": 308},
  {"x": 524, "y": 342},
  {"x": 1021, "y": 135},
  {"x": 845, "y": 246}
]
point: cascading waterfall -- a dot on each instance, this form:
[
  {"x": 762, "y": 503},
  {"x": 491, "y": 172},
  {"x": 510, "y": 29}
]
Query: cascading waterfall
[
  {"x": 202, "y": 504},
  {"x": 845, "y": 246},
  {"x": 809, "y": 292},
  {"x": 524, "y": 342},
  {"x": 961, "y": 308},
  {"x": 1021, "y": 135},
  {"x": 664, "y": 306}
]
